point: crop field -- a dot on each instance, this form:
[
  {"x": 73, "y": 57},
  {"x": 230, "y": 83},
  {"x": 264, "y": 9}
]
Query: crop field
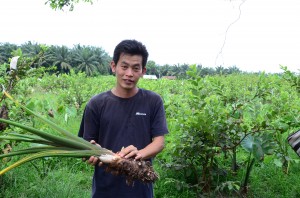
[{"x": 227, "y": 135}]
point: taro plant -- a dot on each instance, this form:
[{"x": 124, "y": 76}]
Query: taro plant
[
  {"x": 257, "y": 146},
  {"x": 69, "y": 145}
]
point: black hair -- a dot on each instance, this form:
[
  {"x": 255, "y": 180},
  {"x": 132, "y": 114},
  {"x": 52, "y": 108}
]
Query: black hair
[{"x": 131, "y": 47}]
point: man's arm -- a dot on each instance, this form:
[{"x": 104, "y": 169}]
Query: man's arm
[
  {"x": 151, "y": 150},
  {"x": 155, "y": 147}
]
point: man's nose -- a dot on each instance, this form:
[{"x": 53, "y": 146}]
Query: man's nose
[{"x": 129, "y": 72}]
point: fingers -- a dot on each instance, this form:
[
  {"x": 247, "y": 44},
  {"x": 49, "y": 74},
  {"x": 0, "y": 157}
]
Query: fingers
[
  {"x": 94, "y": 142},
  {"x": 128, "y": 152},
  {"x": 139, "y": 156},
  {"x": 93, "y": 160}
]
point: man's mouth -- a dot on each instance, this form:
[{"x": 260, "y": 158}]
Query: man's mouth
[{"x": 128, "y": 81}]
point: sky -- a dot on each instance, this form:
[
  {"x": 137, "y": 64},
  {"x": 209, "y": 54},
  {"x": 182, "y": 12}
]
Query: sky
[{"x": 254, "y": 35}]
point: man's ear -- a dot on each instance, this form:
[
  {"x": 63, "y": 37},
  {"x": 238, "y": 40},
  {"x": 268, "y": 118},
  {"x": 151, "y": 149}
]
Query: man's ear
[
  {"x": 144, "y": 71},
  {"x": 113, "y": 66}
]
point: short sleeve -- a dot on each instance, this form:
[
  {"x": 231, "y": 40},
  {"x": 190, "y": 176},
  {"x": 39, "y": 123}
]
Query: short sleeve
[
  {"x": 89, "y": 126},
  {"x": 158, "y": 117}
]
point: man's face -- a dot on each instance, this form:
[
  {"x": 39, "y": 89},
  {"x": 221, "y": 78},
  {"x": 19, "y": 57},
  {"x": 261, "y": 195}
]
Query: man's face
[{"x": 128, "y": 71}]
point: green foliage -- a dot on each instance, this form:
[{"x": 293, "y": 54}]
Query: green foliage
[
  {"x": 5, "y": 51},
  {"x": 94, "y": 60},
  {"x": 292, "y": 78},
  {"x": 217, "y": 115},
  {"x": 61, "y": 4},
  {"x": 223, "y": 129},
  {"x": 258, "y": 147},
  {"x": 269, "y": 181},
  {"x": 24, "y": 69},
  {"x": 63, "y": 181}
]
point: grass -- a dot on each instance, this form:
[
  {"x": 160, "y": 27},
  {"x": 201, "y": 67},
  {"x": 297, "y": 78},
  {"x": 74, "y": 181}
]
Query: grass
[
  {"x": 270, "y": 181},
  {"x": 49, "y": 177},
  {"x": 67, "y": 177},
  {"x": 74, "y": 180},
  {"x": 63, "y": 182},
  {"x": 168, "y": 187}
]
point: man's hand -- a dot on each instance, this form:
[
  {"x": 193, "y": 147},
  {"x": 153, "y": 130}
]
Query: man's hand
[
  {"x": 151, "y": 150},
  {"x": 94, "y": 160},
  {"x": 130, "y": 152}
]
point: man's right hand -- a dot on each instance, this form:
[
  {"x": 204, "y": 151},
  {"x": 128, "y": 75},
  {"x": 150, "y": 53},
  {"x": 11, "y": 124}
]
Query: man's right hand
[{"x": 93, "y": 160}]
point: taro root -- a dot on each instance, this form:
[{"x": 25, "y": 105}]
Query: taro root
[{"x": 130, "y": 168}]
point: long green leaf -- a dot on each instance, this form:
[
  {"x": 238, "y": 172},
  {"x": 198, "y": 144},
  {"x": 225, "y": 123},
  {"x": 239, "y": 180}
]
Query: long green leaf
[
  {"x": 23, "y": 139},
  {"x": 58, "y": 140},
  {"x": 33, "y": 150},
  {"x": 53, "y": 125},
  {"x": 54, "y": 153},
  {"x": 35, "y": 137}
]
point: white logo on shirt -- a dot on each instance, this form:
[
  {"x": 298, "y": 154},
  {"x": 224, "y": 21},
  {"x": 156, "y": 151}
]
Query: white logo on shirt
[{"x": 138, "y": 113}]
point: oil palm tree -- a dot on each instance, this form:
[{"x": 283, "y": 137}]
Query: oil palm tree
[
  {"x": 34, "y": 50},
  {"x": 152, "y": 68},
  {"x": 60, "y": 57},
  {"x": 5, "y": 51},
  {"x": 103, "y": 59},
  {"x": 85, "y": 60}
]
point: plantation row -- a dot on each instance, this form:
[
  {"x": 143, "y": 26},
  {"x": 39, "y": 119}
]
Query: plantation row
[
  {"x": 91, "y": 60},
  {"x": 224, "y": 132}
]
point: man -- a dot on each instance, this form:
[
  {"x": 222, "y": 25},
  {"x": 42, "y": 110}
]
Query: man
[{"x": 127, "y": 120}]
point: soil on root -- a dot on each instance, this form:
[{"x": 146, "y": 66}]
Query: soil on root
[{"x": 133, "y": 170}]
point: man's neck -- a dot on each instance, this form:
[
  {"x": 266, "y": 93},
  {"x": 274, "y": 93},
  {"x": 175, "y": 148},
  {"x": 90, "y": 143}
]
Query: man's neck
[{"x": 123, "y": 93}]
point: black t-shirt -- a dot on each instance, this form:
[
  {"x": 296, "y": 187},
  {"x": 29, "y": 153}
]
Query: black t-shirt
[{"x": 116, "y": 122}]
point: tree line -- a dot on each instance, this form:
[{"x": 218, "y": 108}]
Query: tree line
[{"x": 92, "y": 60}]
